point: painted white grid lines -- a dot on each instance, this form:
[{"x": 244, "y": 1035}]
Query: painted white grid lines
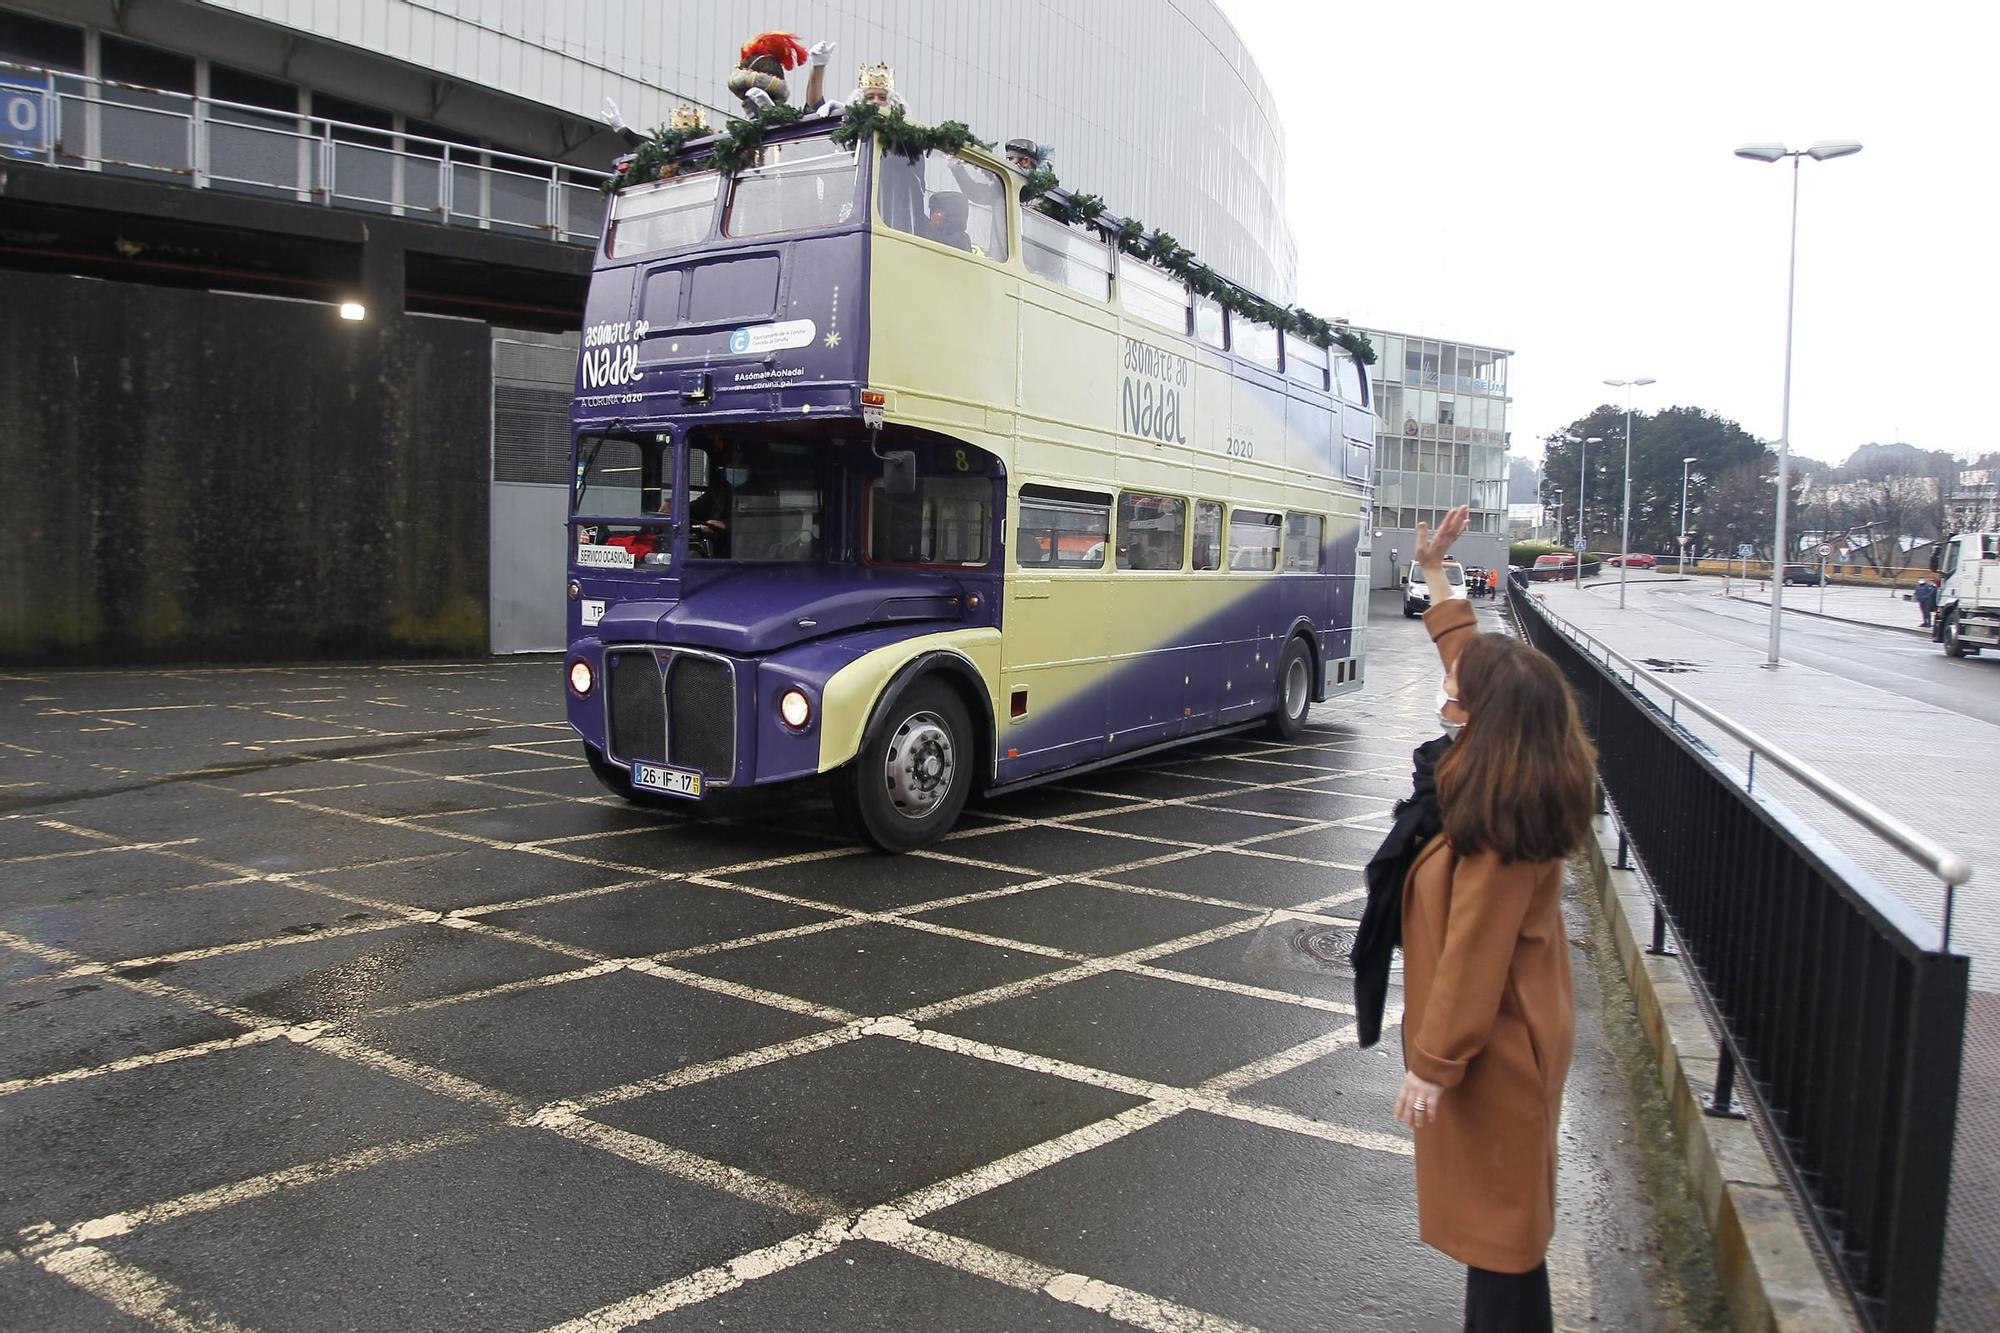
[
  {"x": 893, "y": 1224},
  {"x": 132, "y": 1291}
]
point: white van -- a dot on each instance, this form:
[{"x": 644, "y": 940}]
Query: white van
[{"x": 1417, "y": 592}]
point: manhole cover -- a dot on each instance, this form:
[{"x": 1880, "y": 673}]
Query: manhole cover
[
  {"x": 1306, "y": 946},
  {"x": 1332, "y": 944}
]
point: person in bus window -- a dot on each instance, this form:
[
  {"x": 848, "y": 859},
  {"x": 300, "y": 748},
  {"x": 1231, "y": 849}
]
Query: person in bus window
[
  {"x": 709, "y": 513},
  {"x": 948, "y": 214}
]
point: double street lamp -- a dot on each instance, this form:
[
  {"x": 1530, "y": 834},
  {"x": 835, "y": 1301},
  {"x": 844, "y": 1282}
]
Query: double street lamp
[
  {"x": 1625, "y": 523},
  {"x": 1777, "y": 152}
]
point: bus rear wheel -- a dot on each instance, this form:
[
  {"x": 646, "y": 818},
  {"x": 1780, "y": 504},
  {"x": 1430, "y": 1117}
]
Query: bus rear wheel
[
  {"x": 1294, "y": 691},
  {"x": 907, "y": 786}
]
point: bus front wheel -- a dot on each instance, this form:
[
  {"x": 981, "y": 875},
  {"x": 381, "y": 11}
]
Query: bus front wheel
[
  {"x": 907, "y": 786},
  {"x": 1294, "y": 691}
]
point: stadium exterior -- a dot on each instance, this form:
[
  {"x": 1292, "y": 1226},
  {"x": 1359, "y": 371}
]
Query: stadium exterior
[{"x": 171, "y": 166}]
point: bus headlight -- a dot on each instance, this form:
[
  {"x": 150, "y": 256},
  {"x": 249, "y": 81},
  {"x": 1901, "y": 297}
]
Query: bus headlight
[
  {"x": 581, "y": 677},
  {"x": 795, "y": 710}
]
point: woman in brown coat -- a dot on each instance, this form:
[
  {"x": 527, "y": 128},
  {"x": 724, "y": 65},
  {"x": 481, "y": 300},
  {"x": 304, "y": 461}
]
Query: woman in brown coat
[{"x": 1488, "y": 1017}]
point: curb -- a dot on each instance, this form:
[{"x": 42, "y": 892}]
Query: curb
[{"x": 1770, "y": 1273}]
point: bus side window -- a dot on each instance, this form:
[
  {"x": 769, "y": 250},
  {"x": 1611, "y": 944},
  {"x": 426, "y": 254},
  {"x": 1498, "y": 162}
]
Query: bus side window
[
  {"x": 1060, "y": 528},
  {"x": 1151, "y": 529},
  {"x": 1253, "y": 540},
  {"x": 1302, "y": 543},
  {"x": 1207, "y": 535}
]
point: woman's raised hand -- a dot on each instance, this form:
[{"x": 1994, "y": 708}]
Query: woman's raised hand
[{"x": 1433, "y": 547}]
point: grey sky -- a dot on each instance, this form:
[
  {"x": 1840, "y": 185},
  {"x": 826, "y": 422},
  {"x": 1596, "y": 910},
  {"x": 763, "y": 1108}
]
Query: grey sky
[{"x": 1558, "y": 178}]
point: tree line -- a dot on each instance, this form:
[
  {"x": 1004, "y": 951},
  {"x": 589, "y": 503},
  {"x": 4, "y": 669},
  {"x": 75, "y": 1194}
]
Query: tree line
[{"x": 1882, "y": 494}]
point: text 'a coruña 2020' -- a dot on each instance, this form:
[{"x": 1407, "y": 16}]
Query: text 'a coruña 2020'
[{"x": 1155, "y": 382}]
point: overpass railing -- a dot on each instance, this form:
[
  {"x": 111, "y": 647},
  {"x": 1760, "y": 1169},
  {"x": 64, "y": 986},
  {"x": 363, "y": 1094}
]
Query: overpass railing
[
  {"x": 1843, "y": 1007},
  {"x": 89, "y": 124}
]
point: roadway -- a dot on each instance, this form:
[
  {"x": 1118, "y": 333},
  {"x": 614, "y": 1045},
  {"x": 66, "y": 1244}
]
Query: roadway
[{"x": 1887, "y": 659}]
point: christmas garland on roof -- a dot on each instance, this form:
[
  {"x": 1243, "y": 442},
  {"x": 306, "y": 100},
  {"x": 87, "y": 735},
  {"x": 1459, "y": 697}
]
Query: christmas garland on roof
[{"x": 736, "y": 147}]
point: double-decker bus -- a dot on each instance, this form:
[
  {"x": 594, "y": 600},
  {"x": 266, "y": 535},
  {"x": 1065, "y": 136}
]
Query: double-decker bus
[{"x": 881, "y": 476}]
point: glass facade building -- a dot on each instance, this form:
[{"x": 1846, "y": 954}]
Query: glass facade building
[{"x": 1440, "y": 442}]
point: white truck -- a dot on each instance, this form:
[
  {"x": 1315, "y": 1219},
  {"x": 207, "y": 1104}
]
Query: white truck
[{"x": 1968, "y": 607}]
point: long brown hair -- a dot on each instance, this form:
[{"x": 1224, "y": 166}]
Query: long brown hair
[{"x": 1520, "y": 778}]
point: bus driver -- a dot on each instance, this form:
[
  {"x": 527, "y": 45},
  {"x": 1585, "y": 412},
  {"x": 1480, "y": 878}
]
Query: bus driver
[{"x": 709, "y": 512}]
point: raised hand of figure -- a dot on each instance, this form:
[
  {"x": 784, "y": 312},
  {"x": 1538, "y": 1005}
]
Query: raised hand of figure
[
  {"x": 1433, "y": 547},
  {"x": 613, "y": 114},
  {"x": 820, "y": 52}
]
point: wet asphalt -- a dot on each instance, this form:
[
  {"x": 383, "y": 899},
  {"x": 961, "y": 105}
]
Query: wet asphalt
[{"x": 341, "y": 997}]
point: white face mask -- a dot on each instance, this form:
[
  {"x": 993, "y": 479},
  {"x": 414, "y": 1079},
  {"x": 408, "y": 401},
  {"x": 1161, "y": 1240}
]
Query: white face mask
[{"x": 1451, "y": 728}]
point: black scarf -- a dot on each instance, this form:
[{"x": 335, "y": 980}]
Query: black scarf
[{"x": 1418, "y": 820}]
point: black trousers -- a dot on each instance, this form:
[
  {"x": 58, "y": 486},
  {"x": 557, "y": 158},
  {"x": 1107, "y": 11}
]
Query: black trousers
[{"x": 1508, "y": 1302}]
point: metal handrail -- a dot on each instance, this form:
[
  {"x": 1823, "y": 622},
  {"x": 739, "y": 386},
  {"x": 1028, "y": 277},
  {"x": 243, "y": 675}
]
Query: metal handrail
[
  {"x": 1948, "y": 867},
  {"x": 440, "y": 156}
]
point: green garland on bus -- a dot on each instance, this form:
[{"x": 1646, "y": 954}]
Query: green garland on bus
[{"x": 735, "y": 147}]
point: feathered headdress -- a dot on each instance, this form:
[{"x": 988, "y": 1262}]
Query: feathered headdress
[{"x": 782, "y": 47}]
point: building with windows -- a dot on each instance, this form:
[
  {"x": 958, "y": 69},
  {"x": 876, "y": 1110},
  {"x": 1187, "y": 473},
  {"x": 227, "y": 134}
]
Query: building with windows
[
  {"x": 1441, "y": 441},
  {"x": 340, "y": 253}
]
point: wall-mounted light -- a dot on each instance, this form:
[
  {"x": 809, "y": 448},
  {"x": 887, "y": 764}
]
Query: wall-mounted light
[{"x": 353, "y": 310}]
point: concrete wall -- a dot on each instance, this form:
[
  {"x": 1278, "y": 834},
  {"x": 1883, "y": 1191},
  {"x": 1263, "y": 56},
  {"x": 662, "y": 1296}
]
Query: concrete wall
[{"x": 197, "y": 476}]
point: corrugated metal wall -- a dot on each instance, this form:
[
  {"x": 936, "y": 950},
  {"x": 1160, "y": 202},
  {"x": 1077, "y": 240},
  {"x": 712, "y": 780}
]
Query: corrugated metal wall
[
  {"x": 1153, "y": 104},
  {"x": 533, "y": 377}
]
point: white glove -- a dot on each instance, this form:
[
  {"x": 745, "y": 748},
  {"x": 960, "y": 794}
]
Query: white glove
[
  {"x": 758, "y": 98},
  {"x": 613, "y": 114},
  {"x": 820, "y": 52}
]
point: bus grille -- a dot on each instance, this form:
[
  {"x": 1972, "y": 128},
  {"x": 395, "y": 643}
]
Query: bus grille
[
  {"x": 638, "y": 722},
  {"x": 701, "y": 708}
]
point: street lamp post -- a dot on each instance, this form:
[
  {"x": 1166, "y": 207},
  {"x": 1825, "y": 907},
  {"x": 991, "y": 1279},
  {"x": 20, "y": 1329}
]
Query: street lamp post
[
  {"x": 1625, "y": 522},
  {"x": 1777, "y": 152},
  {"x": 1686, "y": 463},
  {"x": 1582, "y": 492}
]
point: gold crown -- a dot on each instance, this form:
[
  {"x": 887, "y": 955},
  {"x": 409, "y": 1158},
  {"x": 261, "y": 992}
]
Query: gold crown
[
  {"x": 687, "y": 117},
  {"x": 878, "y": 76}
]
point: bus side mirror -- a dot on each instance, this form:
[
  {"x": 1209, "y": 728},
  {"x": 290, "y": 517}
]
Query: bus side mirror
[
  {"x": 1936, "y": 553},
  {"x": 899, "y": 472}
]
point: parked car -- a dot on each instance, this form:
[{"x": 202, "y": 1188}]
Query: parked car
[
  {"x": 1808, "y": 575},
  {"x": 1555, "y": 565},
  {"x": 1637, "y": 560},
  {"x": 1417, "y": 591}
]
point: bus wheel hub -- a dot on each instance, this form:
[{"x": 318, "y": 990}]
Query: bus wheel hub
[{"x": 920, "y": 764}]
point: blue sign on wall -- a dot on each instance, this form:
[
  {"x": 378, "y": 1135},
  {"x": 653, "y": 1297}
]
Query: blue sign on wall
[{"x": 23, "y": 107}]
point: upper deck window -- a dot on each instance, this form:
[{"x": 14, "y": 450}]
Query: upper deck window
[
  {"x": 646, "y": 219},
  {"x": 1151, "y": 295},
  {"x": 946, "y": 200},
  {"x": 1208, "y": 322},
  {"x": 1353, "y": 384},
  {"x": 1305, "y": 362},
  {"x": 804, "y": 185},
  {"x": 1075, "y": 259},
  {"x": 1256, "y": 342}
]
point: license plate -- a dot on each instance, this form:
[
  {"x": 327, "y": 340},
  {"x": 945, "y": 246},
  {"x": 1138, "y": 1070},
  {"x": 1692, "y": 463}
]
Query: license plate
[{"x": 667, "y": 781}]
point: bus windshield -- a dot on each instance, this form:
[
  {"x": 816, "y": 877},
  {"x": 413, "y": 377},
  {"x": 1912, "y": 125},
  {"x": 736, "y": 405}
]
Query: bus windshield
[
  {"x": 756, "y": 499},
  {"x": 623, "y": 476}
]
